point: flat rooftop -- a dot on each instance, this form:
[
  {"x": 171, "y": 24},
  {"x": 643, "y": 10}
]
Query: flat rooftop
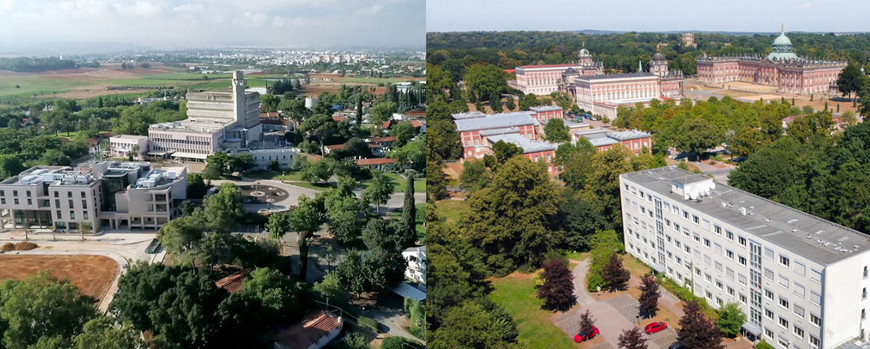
[
  {"x": 491, "y": 121},
  {"x": 157, "y": 177},
  {"x": 198, "y": 125},
  {"x": 802, "y": 234},
  {"x": 528, "y": 145},
  {"x": 53, "y": 175}
]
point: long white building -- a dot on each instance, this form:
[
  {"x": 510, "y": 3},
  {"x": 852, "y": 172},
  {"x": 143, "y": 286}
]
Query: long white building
[{"x": 801, "y": 280}]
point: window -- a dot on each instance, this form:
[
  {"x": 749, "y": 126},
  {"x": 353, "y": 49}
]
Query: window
[
  {"x": 742, "y": 298},
  {"x": 695, "y": 219},
  {"x": 799, "y": 290},
  {"x": 741, "y": 260},
  {"x": 800, "y": 268},
  {"x": 718, "y": 267},
  {"x": 865, "y": 267},
  {"x": 56, "y": 194},
  {"x": 85, "y": 214},
  {"x": 69, "y": 194},
  {"x": 685, "y": 214},
  {"x": 768, "y": 332},
  {"x": 783, "y": 260},
  {"x": 729, "y": 235},
  {"x": 768, "y": 313},
  {"x": 783, "y": 302},
  {"x": 717, "y": 247},
  {"x": 58, "y": 214},
  {"x": 815, "y": 342},
  {"x": 815, "y": 320},
  {"x": 815, "y": 298},
  {"x": 707, "y": 242},
  {"x": 14, "y": 193},
  {"x": 816, "y": 275},
  {"x": 864, "y": 293},
  {"x": 676, "y": 210},
  {"x": 83, "y": 195},
  {"x": 716, "y": 229},
  {"x": 731, "y": 292},
  {"x": 729, "y": 273},
  {"x": 698, "y": 271},
  {"x": 687, "y": 249},
  {"x": 741, "y": 240},
  {"x": 729, "y": 254},
  {"x": 708, "y": 277},
  {"x": 677, "y": 227},
  {"x": 799, "y": 311},
  {"x": 768, "y": 253},
  {"x": 783, "y": 322},
  {"x": 719, "y": 284},
  {"x": 741, "y": 278},
  {"x": 696, "y": 237},
  {"x": 72, "y": 215},
  {"x": 707, "y": 260},
  {"x": 27, "y": 193},
  {"x": 783, "y": 281},
  {"x": 768, "y": 294}
]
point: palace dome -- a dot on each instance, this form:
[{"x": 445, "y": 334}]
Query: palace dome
[
  {"x": 782, "y": 40},
  {"x": 782, "y": 48},
  {"x": 584, "y": 53},
  {"x": 658, "y": 57}
]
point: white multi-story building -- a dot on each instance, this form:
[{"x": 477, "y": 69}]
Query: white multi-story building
[
  {"x": 122, "y": 145},
  {"x": 113, "y": 195},
  {"x": 416, "y": 258},
  {"x": 801, "y": 280},
  {"x": 216, "y": 120}
]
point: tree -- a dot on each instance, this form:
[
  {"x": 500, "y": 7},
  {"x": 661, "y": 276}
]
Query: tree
[
  {"x": 747, "y": 141},
  {"x": 103, "y": 332},
  {"x": 316, "y": 172},
  {"x": 278, "y": 225},
  {"x": 614, "y": 274},
  {"x": 409, "y": 211},
  {"x": 510, "y": 104},
  {"x": 579, "y": 220},
  {"x": 134, "y": 120},
  {"x": 484, "y": 81},
  {"x": 474, "y": 176},
  {"x": 394, "y": 342},
  {"x": 849, "y": 118},
  {"x": 185, "y": 314},
  {"x": 520, "y": 188},
  {"x": 587, "y": 322},
  {"x": 281, "y": 298},
  {"x": 382, "y": 112},
  {"x": 403, "y": 132},
  {"x": 305, "y": 219},
  {"x": 558, "y": 288},
  {"x": 319, "y": 126},
  {"x": 475, "y": 324},
  {"x": 502, "y": 152},
  {"x": 436, "y": 181},
  {"x": 649, "y": 296},
  {"x": 224, "y": 209},
  {"x": 696, "y": 331},
  {"x": 196, "y": 187},
  {"x": 851, "y": 80},
  {"x": 730, "y": 320},
  {"x": 632, "y": 338},
  {"x": 41, "y": 306},
  {"x": 555, "y": 131},
  {"x": 329, "y": 287},
  {"x": 182, "y": 235},
  {"x": 411, "y": 154},
  {"x": 696, "y": 135},
  {"x": 10, "y": 165},
  {"x": 218, "y": 165},
  {"x": 379, "y": 189},
  {"x": 242, "y": 162}
]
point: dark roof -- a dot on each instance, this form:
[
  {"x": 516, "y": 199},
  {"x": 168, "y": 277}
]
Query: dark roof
[
  {"x": 658, "y": 56},
  {"x": 233, "y": 283},
  {"x": 375, "y": 161}
]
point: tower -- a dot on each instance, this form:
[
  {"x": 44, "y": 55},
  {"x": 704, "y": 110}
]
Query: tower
[
  {"x": 239, "y": 96},
  {"x": 659, "y": 65}
]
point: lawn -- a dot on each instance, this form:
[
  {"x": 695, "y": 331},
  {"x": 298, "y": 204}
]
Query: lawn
[
  {"x": 400, "y": 182},
  {"x": 516, "y": 294},
  {"x": 451, "y": 210}
]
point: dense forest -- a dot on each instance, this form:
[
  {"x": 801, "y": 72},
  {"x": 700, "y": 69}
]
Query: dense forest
[
  {"x": 32, "y": 64},
  {"x": 620, "y": 52}
]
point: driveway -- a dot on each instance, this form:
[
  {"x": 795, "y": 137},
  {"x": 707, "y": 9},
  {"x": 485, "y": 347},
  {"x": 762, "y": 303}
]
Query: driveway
[{"x": 611, "y": 316}]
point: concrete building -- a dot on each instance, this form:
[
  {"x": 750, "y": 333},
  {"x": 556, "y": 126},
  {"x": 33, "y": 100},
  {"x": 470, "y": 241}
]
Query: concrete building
[
  {"x": 121, "y": 145},
  {"x": 781, "y": 68},
  {"x": 801, "y": 280},
  {"x": 264, "y": 157},
  {"x": 547, "y": 112},
  {"x": 689, "y": 40},
  {"x": 106, "y": 194},
  {"x": 216, "y": 120}
]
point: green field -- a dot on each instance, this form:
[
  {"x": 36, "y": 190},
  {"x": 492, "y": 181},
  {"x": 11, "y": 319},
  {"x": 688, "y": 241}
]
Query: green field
[
  {"x": 400, "y": 182},
  {"x": 516, "y": 294},
  {"x": 451, "y": 210}
]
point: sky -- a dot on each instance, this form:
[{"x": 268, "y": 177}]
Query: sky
[
  {"x": 200, "y": 23},
  {"x": 649, "y": 16}
]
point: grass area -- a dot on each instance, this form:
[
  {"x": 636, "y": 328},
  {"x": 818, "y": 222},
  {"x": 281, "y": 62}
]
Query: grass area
[
  {"x": 421, "y": 229},
  {"x": 451, "y": 210},
  {"x": 401, "y": 183},
  {"x": 516, "y": 294}
]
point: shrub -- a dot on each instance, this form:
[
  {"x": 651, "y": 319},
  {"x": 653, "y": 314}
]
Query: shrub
[
  {"x": 763, "y": 345},
  {"x": 400, "y": 343},
  {"x": 593, "y": 282},
  {"x": 368, "y": 323}
]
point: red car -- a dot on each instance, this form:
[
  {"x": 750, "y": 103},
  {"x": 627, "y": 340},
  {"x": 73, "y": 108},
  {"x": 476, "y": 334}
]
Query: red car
[
  {"x": 580, "y": 337},
  {"x": 655, "y": 327}
]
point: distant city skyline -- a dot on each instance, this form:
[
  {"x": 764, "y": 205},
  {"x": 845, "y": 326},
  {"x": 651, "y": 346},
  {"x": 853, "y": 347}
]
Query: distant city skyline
[
  {"x": 200, "y": 23},
  {"x": 647, "y": 16}
]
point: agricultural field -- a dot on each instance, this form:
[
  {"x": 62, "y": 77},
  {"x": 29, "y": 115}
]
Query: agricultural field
[{"x": 91, "y": 274}]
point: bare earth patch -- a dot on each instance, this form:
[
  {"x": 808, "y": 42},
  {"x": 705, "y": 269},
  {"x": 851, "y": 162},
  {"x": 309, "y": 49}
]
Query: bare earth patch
[{"x": 91, "y": 274}]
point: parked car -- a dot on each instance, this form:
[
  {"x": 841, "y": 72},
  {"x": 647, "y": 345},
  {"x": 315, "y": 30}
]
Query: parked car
[
  {"x": 581, "y": 337},
  {"x": 654, "y": 327},
  {"x": 678, "y": 345}
]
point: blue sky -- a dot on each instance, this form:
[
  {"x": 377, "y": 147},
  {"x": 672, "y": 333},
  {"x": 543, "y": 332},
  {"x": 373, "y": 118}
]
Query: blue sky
[
  {"x": 319, "y": 23},
  {"x": 651, "y": 15}
]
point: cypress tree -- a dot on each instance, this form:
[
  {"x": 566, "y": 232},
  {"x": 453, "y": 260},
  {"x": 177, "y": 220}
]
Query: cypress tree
[{"x": 409, "y": 211}]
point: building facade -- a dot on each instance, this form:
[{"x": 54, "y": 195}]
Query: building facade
[
  {"x": 781, "y": 68},
  {"x": 544, "y": 79},
  {"x": 474, "y": 127},
  {"x": 802, "y": 281},
  {"x": 122, "y": 145},
  {"x": 107, "y": 194},
  {"x": 216, "y": 120},
  {"x": 603, "y": 139}
]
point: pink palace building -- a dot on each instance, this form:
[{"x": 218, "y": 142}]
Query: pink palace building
[
  {"x": 543, "y": 80},
  {"x": 781, "y": 68}
]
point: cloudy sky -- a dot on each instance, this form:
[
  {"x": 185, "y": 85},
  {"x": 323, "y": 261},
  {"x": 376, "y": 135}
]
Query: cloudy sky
[
  {"x": 320, "y": 23},
  {"x": 655, "y": 15}
]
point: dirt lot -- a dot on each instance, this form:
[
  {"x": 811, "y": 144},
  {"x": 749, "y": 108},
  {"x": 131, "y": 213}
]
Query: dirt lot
[{"x": 91, "y": 274}]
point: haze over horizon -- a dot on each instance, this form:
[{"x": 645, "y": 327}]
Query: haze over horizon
[
  {"x": 199, "y": 23},
  {"x": 658, "y": 16}
]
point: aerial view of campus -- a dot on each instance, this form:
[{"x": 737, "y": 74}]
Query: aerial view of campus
[
  {"x": 656, "y": 175},
  {"x": 223, "y": 174}
]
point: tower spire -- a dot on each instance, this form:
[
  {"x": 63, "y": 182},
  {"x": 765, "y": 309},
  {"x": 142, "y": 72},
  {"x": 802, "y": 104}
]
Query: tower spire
[
  {"x": 782, "y": 28},
  {"x": 639, "y": 67}
]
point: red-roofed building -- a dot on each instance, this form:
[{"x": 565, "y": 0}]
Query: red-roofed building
[
  {"x": 383, "y": 164},
  {"x": 233, "y": 283},
  {"x": 314, "y": 332}
]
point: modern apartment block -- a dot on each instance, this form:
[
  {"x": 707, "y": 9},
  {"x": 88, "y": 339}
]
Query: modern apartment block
[
  {"x": 114, "y": 195},
  {"x": 801, "y": 280}
]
